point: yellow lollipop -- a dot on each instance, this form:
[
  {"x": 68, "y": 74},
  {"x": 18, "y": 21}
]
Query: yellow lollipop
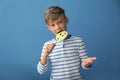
[{"x": 61, "y": 36}]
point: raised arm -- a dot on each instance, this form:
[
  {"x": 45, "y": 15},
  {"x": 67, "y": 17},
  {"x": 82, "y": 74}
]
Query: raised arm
[{"x": 42, "y": 64}]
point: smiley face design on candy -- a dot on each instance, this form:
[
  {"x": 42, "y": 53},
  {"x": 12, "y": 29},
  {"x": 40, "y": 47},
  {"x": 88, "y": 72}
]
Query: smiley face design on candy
[{"x": 61, "y": 36}]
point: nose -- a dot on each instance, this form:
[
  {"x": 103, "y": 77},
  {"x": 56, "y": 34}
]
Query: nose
[{"x": 57, "y": 27}]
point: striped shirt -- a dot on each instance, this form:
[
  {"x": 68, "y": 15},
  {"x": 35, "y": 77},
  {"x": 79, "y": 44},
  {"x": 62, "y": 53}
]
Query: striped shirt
[{"x": 65, "y": 59}]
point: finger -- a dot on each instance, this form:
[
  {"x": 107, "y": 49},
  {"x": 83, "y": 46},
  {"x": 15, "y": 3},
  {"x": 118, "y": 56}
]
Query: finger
[
  {"x": 53, "y": 44},
  {"x": 90, "y": 62},
  {"x": 50, "y": 47},
  {"x": 93, "y": 58}
]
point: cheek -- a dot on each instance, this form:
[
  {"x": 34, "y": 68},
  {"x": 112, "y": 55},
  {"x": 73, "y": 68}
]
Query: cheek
[
  {"x": 50, "y": 28},
  {"x": 53, "y": 31},
  {"x": 63, "y": 26}
]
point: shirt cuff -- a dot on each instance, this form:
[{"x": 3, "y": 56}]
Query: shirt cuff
[
  {"x": 41, "y": 65},
  {"x": 41, "y": 68}
]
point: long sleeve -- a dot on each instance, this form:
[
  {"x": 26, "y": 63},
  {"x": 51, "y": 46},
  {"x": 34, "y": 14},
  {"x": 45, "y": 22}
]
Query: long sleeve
[
  {"x": 42, "y": 68},
  {"x": 82, "y": 52}
]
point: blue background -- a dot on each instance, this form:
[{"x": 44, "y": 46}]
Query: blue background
[{"x": 23, "y": 33}]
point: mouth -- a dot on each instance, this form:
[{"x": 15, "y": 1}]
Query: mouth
[{"x": 59, "y": 31}]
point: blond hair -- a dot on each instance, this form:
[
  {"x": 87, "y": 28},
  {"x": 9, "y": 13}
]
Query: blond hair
[{"x": 53, "y": 13}]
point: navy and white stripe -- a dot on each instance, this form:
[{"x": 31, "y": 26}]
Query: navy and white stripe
[{"x": 65, "y": 59}]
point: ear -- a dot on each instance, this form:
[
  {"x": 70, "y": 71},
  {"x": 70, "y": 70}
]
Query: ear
[{"x": 66, "y": 20}]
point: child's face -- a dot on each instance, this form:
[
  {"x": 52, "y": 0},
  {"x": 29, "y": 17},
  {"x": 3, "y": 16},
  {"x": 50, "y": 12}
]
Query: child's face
[{"x": 58, "y": 25}]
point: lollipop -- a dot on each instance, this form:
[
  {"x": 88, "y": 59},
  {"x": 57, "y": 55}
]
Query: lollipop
[{"x": 61, "y": 36}]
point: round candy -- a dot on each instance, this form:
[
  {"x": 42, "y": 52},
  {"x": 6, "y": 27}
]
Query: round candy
[{"x": 61, "y": 36}]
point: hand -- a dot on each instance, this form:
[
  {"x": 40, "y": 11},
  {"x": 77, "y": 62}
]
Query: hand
[
  {"x": 88, "y": 62},
  {"x": 49, "y": 48}
]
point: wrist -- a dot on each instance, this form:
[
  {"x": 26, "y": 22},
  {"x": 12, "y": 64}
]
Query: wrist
[{"x": 44, "y": 59}]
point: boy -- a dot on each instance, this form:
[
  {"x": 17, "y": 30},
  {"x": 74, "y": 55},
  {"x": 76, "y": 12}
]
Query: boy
[{"x": 65, "y": 57}]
